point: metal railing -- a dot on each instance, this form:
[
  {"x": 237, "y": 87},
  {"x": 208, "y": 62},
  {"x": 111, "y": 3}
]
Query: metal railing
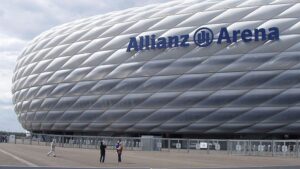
[{"x": 283, "y": 148}]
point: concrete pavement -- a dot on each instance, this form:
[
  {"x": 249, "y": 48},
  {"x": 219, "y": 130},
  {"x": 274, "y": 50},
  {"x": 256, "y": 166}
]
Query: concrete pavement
[{"x": 34, "y": 155}]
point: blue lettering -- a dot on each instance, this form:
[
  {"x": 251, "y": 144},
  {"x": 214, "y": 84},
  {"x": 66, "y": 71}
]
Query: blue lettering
[
  {"x": 274, "y": 33},
  {"x": 260, "y": 33},
  {"x": 246, "y": 35},
  {"x": 224, "y": 35},
  {"x": 161, "y": 43},
  {"x": 173, "y": 40},
  {"x": 152, "y": 42},
  {"x": 184, "y": 40},
  {"x": 235, "y": 34},
  {"x": 141, "y": 43},
  {"x": 147, "y": 42},
  {"x": 132, "y": 44},
  {"x": 202, "y": 35}
]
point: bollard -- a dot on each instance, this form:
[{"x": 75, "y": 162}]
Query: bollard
[
  {"x": 207, "y": 150},
  {"x": 297, "y": 148},
  {"x": 62, "y": 141},
  {"x": 169, "y": 145},
  {"x": 249, "y": 147},
  {"x": 188, "y": 145}
]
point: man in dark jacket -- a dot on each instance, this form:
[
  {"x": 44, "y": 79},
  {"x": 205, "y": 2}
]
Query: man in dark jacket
[{"x": 102, "y": 152}]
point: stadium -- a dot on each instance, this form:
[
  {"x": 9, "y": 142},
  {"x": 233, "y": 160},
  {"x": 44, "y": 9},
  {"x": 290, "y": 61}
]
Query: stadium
[{"x": 182, "y": 68}]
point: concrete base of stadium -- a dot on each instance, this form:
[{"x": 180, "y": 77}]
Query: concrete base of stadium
[{"x": 33, "y": 155}]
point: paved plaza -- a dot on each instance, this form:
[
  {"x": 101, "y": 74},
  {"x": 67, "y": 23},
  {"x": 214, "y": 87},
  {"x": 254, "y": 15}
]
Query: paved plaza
[{"x": 34, "y": 155}]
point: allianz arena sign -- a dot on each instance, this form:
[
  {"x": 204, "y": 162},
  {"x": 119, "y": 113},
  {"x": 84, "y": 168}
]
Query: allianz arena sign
[{"x": 203, "y": 37}]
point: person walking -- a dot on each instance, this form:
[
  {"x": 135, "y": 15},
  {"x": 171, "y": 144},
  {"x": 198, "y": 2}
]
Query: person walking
[
  {"x": 102, "y": 151},
  {"x": 52, "y": 148},
  {"x": 119, "y": 148}
]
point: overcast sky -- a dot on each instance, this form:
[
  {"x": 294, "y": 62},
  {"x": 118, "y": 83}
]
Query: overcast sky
[{"x": 22, "y": 20}]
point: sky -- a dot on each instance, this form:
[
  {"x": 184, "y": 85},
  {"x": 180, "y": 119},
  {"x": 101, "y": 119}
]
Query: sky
[{"x": 22, "y": 20}]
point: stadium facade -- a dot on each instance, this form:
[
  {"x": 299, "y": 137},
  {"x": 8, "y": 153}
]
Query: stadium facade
[{"x": 190, "y": 67}]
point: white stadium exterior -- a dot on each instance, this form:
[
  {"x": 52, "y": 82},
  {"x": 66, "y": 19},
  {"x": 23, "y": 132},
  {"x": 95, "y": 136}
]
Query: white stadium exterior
[{"x": 182, "y": 67}]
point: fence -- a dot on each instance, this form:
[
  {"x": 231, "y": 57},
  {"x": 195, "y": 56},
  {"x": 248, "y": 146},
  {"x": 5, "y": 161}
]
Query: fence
[{"x": 283, "y": 148}]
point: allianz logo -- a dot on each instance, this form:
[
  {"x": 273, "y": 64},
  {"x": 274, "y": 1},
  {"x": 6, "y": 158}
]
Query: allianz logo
[{"x": 203, "y": 37}]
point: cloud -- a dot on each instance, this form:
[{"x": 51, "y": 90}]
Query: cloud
[
  {"x": 11, "y": 44},
  {"x": 9, "y": 120},
  {"x": 27, "y": 18}
]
